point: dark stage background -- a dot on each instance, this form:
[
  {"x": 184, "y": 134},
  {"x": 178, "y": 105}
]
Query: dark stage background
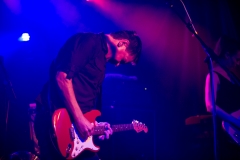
[{"x": 170, "y": 77}]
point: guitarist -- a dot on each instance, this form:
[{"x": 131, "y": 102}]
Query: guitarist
[
  {"x": 75, "y": 82},
  {"x": 227, "y": 94}
]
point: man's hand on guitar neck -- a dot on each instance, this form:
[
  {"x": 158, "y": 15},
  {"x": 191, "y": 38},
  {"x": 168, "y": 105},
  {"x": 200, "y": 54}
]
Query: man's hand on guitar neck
[
  {"x": 108, "y": 131},
  {"x": 85, "y": 128}
]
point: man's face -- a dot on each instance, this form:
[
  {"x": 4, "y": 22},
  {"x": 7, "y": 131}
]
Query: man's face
[
  {"x": 121, "y": 55},
  {"x": 124, "y": 57}
]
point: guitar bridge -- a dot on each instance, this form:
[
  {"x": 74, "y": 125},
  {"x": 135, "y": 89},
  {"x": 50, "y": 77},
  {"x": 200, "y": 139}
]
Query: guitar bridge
[{"x": 69, "y": 147}]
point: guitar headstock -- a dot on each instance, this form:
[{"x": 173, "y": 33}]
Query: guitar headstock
[{"x": 139, "y": 126}]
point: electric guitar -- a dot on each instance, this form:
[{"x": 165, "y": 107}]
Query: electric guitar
[
  {"x": 71, "y": 145},
  {"x": 231, "y": 130}
]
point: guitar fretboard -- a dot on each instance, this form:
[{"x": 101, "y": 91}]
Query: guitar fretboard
[{"x": 116, "y": 128}]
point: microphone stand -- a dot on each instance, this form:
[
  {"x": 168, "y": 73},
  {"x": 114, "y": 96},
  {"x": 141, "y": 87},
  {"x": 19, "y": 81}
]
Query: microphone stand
[{"x": 210, "y": 57}]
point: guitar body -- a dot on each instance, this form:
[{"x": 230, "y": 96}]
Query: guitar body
[
  {"x": 231, "y": 130},
  {"x": 69, "y": 143}
]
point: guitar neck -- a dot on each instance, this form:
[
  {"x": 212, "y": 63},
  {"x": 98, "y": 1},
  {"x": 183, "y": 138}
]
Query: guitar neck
[{"x": 98, "y": 130}]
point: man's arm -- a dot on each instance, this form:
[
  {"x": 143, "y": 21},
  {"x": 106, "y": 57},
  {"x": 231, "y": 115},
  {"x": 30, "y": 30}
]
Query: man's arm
[
  {"x": 208, "y": 101},
  {"x": 66, "y": 89}
]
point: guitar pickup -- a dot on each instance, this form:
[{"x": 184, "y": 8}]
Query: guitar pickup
[{"x": 72, "y": 133}]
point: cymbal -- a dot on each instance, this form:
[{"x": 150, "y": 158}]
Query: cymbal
[{"x": 197, "y": 119}]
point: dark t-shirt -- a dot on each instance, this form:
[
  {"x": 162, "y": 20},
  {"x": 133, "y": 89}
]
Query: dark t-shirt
[
  {"x": 227, "y": 99},
  {"x": 228, "y": 95},
  {"x": 82, "y": 58}
]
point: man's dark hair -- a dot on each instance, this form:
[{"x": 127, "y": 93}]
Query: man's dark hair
[
  {"x": 226, "y": 45},
  {"x": 135, "y": 43}
]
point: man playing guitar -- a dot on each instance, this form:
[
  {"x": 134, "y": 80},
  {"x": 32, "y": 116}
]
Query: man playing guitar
[{"x": 75, "y": 83}]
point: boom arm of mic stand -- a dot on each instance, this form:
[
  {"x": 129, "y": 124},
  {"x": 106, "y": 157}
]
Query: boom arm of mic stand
[{"x": 210, "y": 56}]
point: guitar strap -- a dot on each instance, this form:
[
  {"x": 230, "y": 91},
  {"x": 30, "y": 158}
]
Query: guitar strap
[
  {"x": 99, "y": 100},
  {"x": 234, "y": 78}
]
